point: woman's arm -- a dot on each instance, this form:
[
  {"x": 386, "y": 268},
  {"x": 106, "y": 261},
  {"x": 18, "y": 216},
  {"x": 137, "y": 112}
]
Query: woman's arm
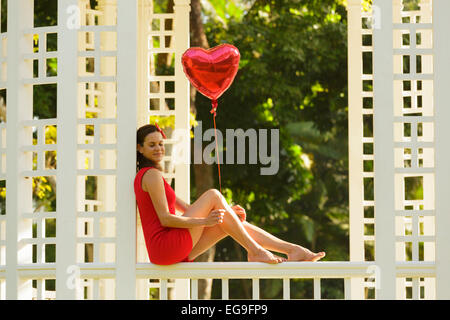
[
  {"x": 180, "y": 205},
  {"x": 153, "y": 180}
]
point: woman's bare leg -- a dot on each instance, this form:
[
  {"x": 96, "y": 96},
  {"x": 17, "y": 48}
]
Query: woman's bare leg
[
  {"x": 209, "y": 237},
  {"x": 270, "y": 242},
  {"x": 294, "y": 252},
  {"x": 231, "y": 225}
]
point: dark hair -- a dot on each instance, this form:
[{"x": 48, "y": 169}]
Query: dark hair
[{"x": 141, "y": 161}]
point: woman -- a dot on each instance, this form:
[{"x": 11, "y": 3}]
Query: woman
[{"x": 171, "y": 238}]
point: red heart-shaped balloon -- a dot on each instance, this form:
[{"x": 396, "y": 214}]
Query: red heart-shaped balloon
[{"x": 211, "y": 71}]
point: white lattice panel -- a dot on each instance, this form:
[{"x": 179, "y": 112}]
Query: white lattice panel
[
  {"x": 35, "y": 260},
  {"x": 395, "y": 97}
]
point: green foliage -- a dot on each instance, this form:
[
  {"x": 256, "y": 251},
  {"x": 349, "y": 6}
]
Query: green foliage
[{"x": 224, "y": 11}]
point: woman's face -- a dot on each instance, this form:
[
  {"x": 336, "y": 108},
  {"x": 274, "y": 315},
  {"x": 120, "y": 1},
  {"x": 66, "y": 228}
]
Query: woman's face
[{"x": 153, "y": 148}]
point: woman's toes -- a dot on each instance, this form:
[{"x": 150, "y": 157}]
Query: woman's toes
[
  {"x": 280, "y": 259},
  {"x": 318, "y": 256}
]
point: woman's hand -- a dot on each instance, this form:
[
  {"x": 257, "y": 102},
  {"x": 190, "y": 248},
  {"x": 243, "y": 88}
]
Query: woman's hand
[
  {"x": 240, "y": 212},
  {"x": 214, "y": 217}
]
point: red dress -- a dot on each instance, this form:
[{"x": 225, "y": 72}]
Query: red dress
[{"x": 164, "y": 245}]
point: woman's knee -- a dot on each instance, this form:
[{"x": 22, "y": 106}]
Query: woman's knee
[{"x": 214, "y": 193}]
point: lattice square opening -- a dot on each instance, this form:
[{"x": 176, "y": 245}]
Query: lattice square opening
[
  {"x": 369, "y": 212},
  {"x": 154, "y": 87},
  {"x": 4, "y": 20},
  {"x": 161, "y": 69},
  {"x": 155, "y": 25},
  {"x": 407, "y": 85},
  {"x": 271, "y": 288},
  {"x": 413, "y": 188},
  {"x": 155, "y": 104},
  {"x": 332, "y": 289},
  {"x": 302, "y": 288},
  {"x": 369, "y": 250},
  {"x": 155, "y": 42},
  {"x": 366, "y": 23},
  {"x": 367, "y": 40},
  {"x": 45, "y": 108},
  {"x": 170, "y": 103},
  {"x": 45, "y": 13},
  {"x": 406, "y": 39},
  {"x": 368, "y": 125},
  {"x": 407, "y": 102},
  {"x": 52, "y": 42},
  {"x": 367, "y": 85},
  {"x": 369, "y": 229},
  {"x": 240, "y": 289},
  {"x": 368, "y": 188},
  {"x": 367, "y": 62},
  {"x": 35, "y": 68},
  {"x": 367, "y": 102},
  {"x": 51, "y": 67},
  {"x": 368, "y": 148}
]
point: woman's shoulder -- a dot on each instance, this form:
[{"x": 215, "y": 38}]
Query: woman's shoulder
[
  {"x": 148, "y": 177},
  {"x": 151, "y": 176},
  {"x": 144, "y": 170}
]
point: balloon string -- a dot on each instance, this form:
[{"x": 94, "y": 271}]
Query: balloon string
[{"x": 213, "y": 111}]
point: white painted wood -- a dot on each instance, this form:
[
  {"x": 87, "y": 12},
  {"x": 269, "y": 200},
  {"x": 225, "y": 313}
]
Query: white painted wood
[
  {"x": 347, "y": 289},
  {"x": 19, "y": 100},
  {"x": 182, "y": 99},
  {"x": 163, "y": 294},
  {"x": 383, "y": 67},
  {"x": 194, "y": 292},
  {"x": 442, "y": 176},
  {"x": 355, "y": 135},
  {"x": 317, "y": 289},
  {"x": 126, "y": 159},
  {"x": 255, "y": 289},
  {"x": 144, "y": 20},
  {"x": 247, "y": 270},
  {"x": 66, "y": 177},
  {"x": 225, "y": 290},
  {"x": 286, "y": 289},
  {"x": 182, "y": 112}
]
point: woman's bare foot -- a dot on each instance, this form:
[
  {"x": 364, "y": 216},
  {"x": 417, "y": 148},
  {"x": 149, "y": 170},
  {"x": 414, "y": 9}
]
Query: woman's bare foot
[
  {"x": 302, "y": 254},
  {"x": 283, "y": 259},
  {"x": 264, "y": 255}
]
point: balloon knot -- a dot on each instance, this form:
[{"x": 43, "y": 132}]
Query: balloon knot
[{"x": 214, "y": 107}]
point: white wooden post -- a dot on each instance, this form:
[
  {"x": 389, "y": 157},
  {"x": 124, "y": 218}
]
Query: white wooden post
[
  {"x": 20, "y": 102},
  {"x": 441, "y": 23},
  {"x": 66, "y": 193},
  {"x": 126, "y": 147},
  {"x": 383, "y": 67},
  {"x": 107, "y": 184},
  {"x": 355, "y": 136},
  {"x": 182, "y": 116},
  {"x": 144, "y": 13},
  {"x": 182, "y": 100}
]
